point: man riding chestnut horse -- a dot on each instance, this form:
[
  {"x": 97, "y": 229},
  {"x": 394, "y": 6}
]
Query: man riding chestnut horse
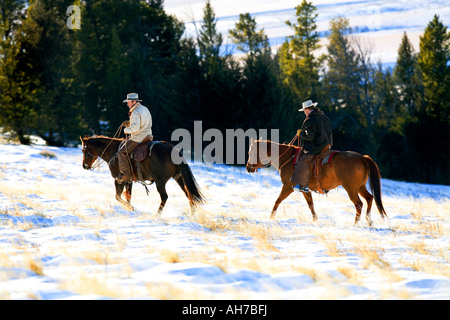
[
  {"x": 319, "y": 169},
  {"x": 317, "y": 137}
]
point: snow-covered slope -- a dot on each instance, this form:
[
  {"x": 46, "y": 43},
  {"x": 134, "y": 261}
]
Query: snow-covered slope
[{"x": 63, "y": 236}]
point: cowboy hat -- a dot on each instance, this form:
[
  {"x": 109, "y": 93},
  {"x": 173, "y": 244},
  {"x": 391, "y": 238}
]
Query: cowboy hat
[
  {"x": 132, "y": 97},
  {"x": 308, "y": 104}
]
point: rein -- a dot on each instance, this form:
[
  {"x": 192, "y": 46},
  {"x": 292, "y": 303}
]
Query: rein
[
  {"x": 96, "y": 165},
  {"x": 297, "y": 136}
]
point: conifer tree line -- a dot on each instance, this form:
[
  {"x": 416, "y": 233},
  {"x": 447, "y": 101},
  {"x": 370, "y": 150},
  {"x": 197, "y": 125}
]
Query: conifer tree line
[{"x": 60, "y": 83}]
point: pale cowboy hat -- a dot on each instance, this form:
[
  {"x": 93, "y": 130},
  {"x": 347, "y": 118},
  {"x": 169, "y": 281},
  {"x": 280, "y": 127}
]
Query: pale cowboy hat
[
  {"x": 132, "y": 97},
  {"x": 308, "y": 104}
]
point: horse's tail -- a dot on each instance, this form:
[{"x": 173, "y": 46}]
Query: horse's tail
[
  {"x": 190, "y": 185},
  {"x": 375, "y": 184}
]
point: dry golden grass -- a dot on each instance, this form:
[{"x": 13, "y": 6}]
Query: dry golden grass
[
  {"x": 333, "y": 239},
  {"x": 91, "y": 283},
  {"x": 19, "y": 260},
  {"x": 263, "y": 237},
  {"x": 373, "y": 257},
  {"x": 168, "y": 291},
  {"x": 365, "y": 242},
  {"x": 428, "y": 266},
  {"x": 169, "y": 256},
  {"x": 34, "y": 265},
  {"x": 48, "y": 154},
  {"x": 351, "y": 273}
]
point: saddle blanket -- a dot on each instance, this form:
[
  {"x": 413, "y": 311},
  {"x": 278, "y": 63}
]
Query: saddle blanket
[
  {"x": 327, "y": 159},
  {"x": 143, "y": 150}
]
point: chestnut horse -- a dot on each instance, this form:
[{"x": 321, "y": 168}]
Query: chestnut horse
[
  {"x": 348, "y": 169},
  {"x": 158, "y": 167}
]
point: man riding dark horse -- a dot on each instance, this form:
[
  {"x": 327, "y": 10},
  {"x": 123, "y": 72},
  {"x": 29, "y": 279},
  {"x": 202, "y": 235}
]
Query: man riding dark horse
[
  {"x": 316, "y": 136},
  {"x": 139, "y": 128}
]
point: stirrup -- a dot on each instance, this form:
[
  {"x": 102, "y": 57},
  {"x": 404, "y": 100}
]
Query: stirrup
[
  {"x": 120, "y": 178},
  {"x": 302, "y": 188}
]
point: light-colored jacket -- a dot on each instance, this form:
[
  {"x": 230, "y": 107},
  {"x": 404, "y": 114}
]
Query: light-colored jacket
[{"x": 140, "y": 123}]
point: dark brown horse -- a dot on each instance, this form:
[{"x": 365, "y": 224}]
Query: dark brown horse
[
  {"x": 348, "y": 168},
  {"x": 158, "y": 167}
]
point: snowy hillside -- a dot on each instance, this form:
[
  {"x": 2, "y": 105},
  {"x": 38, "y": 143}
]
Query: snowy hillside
[
  {"x": 63, "y": 236},
  {"x": 378, "y": 23}
]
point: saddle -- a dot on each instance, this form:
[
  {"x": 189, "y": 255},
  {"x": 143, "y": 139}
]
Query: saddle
[
  {"x": 324, "y": 157},
  {"x": 143, "y": 150},
  {"x": 319, "y": 161}
]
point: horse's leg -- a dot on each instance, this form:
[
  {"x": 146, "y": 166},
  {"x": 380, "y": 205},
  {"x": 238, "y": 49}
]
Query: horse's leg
[
  {"x": 119, "y": 190},
  {"x": 285, "y": 192},
  {"x": 161, "y": 187},
  {"x": 128, "y": 188},
  {"x": 309, "y": 200},
  {"x": 353, "y": 195},
  {"x": 180, "y": 182},
  {"x": 369, "y": 198}
]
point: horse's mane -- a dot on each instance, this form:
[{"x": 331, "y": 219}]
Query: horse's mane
[{"x": 99, "y": 140}]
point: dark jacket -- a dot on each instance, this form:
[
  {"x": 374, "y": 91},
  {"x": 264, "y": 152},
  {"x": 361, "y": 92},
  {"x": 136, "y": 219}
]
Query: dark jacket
[{"x": 316, "y": 132}]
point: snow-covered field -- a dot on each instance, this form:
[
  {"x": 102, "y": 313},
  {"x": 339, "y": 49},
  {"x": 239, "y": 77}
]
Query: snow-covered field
[{"x": 63, "y": 236}]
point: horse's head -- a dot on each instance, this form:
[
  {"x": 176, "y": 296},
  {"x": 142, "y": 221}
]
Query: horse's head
[
  {"x": 89, "y": 155},
  {"x": 255, "y": 154}
]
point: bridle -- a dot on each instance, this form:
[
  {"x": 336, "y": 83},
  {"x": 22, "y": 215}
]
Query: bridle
[
  {"x": 96, "y": 165},
  {"x": 256, "y": 167},
  {"x": 96, "y": 157}
]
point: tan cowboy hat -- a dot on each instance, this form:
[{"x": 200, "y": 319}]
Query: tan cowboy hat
[
  {"x": 308, "y": 104},
  {"x": 132, "y": 97}
]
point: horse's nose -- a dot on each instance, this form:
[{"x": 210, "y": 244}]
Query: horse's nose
[{"x": 85, "y": 166}]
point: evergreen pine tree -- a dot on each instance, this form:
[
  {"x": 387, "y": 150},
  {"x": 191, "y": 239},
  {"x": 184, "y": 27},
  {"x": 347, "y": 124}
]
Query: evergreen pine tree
[
  {"x": 247, "y": 38},
  {"x": 50, "y": 48},
  {"x": 209, "y": 39},
  {"x": 219, "y": 84},
  {"x": 184, "y": 104},
  {"x": 259, "y": 83},
  {"x": 342, "y": 59},
  {"x": 124, "y": 47},
  {"x": 342, "y": 84},
  {"x": 405, "y": 74},
  {"x": 117, "y": 77},
  {"x": 429, "y": 131},
  {"x": 299, "y": 66},
  {"x": 433, "y": 62},
  {"x": 19, "y": 85}
]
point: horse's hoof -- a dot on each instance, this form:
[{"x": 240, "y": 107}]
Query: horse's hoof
[
  {"x": 124, "y": 204},
  {"x": 129, "y": 207}
]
